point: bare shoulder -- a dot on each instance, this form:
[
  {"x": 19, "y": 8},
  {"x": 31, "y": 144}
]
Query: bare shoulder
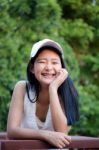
[
  {"x": 21, "y": 84},
  {"x": 20, "y": 87}
]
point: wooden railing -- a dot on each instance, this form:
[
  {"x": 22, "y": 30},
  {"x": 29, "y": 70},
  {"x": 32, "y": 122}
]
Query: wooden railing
[{"x": 78, "y": 142}]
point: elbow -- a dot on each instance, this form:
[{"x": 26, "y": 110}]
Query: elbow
[
  {"x": 63, "y": 129},
  {"x": 11, "y": 133}
]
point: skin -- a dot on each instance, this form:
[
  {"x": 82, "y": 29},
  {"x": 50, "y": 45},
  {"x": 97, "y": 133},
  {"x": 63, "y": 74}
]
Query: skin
[{"x": 49, "y": 72}]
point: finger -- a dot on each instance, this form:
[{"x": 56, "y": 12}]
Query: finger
[
  {"x": 62, "y": 144},
  {"x": 66, "y": 142},
  {"x": 64, "y": 73},
  {"x": 68, "y": 138}
]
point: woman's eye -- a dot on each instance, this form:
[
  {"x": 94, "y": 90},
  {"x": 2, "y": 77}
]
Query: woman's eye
[
  {"x": 41, "y": 62},
  {"x": 55, "y": 63}
]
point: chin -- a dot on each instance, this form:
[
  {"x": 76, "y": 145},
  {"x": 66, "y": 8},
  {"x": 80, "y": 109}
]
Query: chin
[{"x": 47, "y": 82}]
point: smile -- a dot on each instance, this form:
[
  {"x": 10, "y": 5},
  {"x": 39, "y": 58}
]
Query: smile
[{"x": 46, "y": 75}]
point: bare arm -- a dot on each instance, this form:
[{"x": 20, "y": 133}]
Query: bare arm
[
  {"x": 58, "y": 116},
  {"x": 16, "y": 113}
]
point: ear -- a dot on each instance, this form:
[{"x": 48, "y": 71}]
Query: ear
[{"x": 31, "y": 68}]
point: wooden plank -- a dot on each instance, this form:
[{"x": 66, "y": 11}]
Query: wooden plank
[{"x": 76, "y": 142}]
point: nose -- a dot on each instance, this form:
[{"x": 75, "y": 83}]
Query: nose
[{"x": 48, "y": 66}]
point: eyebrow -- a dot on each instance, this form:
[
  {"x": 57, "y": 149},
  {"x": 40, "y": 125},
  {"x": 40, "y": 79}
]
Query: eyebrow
[{"x": 55, "y": 59}]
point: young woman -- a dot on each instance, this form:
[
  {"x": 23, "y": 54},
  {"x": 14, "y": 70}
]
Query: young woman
[{"x": 45, "y": 105}]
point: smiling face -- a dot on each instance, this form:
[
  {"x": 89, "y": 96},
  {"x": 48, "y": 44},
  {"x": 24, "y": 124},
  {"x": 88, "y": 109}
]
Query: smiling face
[{"x": 46, "y": 67}]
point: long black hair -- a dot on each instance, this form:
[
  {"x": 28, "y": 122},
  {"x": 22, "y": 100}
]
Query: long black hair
[{"x": 67, "y": 90}]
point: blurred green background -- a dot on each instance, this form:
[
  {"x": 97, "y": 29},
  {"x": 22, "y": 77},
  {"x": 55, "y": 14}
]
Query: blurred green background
[{"x": 72, "y": 23}]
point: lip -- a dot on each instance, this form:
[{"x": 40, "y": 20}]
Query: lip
[{"x": 47, "y": 75}]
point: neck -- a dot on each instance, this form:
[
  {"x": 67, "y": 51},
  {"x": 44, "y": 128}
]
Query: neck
[{"x": 44, "y": 96}]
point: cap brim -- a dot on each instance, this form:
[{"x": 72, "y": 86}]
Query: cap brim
[{"x": 44, "y": 43}]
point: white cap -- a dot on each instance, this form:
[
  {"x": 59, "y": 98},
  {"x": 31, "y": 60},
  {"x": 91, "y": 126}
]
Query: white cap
[{"x": 45, "y": 42}]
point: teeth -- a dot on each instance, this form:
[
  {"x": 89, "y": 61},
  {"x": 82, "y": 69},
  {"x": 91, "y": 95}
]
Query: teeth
[{"x": 48, "y": 75}]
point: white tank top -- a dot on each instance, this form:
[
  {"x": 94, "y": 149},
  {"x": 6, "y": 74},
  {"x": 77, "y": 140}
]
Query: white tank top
[{"x": 29, "y": 118}]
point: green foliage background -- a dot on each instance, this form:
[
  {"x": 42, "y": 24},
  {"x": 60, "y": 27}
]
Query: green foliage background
[{"x": 75, "y": 25}]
